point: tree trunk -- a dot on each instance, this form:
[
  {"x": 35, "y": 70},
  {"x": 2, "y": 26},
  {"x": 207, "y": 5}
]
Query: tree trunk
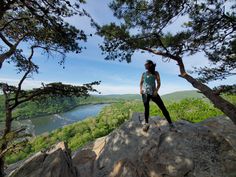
[
  {"x": 6, "y": 55},
  {"x": 7, "y": 130},
  {"x": 8, "y": 120},
  {"x": 225, "y": 106},
  {"x": 2, "y": 167}
]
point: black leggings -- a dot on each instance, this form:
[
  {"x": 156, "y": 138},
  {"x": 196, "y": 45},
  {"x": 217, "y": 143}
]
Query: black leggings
[{"x": 156, "y": 99}]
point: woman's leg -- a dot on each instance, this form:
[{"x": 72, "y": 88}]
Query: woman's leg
[
  {"x": 146, "y": 99},
  {"x": 157, "y": 99}
]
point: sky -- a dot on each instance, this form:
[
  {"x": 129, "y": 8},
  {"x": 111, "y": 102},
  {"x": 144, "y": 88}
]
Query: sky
[{"x": 116, "y": 77}]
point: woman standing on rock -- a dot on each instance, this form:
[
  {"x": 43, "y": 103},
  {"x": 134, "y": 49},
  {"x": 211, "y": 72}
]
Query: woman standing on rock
[{"x": 148, "y": 90}]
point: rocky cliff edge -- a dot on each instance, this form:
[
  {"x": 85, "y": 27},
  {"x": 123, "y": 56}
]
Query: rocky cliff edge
[{"x": 195, "y": 150}]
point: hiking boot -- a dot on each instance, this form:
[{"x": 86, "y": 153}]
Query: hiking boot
[
  {"x": 146, "y": 127},
  {"x": 172, "y": 127}
]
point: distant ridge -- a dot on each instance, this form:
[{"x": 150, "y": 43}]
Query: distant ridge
[
  {"x": 121, "y": 96},
  {"x": 179, "y": 95},
  {"x": 174, "y": 96}
]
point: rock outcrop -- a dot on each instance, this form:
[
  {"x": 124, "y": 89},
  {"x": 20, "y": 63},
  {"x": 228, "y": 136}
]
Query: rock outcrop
[
  {"x": 55, "y": 162},
  {"x": 195, "y": 150}
]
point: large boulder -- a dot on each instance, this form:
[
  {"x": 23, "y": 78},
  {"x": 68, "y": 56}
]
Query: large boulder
[
  {"x": 55, "y": 162},
  {"x": 194, "y": 150}
]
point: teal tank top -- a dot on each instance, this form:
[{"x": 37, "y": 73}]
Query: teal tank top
[{"x": 148, "y": 83}]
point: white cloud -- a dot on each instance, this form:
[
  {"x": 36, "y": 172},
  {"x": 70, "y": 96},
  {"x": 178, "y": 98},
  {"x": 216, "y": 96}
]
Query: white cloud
[
  {"x": 30, "y": 83},
  {"x": 229, "y": 81},
  {"x": 105, "y": 89},
  {"x": 169, "y": 88}
]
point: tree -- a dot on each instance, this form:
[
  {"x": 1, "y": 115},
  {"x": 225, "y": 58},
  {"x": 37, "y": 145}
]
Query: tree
[
  {"x": 13, "y": 140},
  {"x": 210, "y": 28},
  {"x": 27, "y": 26},
  {"x": 41, "y": 24},
  {"x": 15, "y": 96}
]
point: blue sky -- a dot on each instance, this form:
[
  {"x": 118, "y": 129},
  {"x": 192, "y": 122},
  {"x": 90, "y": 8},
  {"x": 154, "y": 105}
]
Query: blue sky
[{"x": 116, "y": 77}]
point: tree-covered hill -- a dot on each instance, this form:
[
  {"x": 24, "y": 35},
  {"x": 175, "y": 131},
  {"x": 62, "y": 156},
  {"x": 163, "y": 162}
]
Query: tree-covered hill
[
  {"x": 62, "y": 104},
  {"x": 179, "y": 95},
  {"x": 112, "y": 116}
]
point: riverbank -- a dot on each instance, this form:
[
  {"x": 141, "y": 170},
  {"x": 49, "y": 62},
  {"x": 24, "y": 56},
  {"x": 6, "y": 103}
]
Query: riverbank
[
  {"x": 46, "y": 124},
  {"x": 57, "y": 105},
  {"x": 66, "y": 110},
  {"x": 78, "y": 133}
]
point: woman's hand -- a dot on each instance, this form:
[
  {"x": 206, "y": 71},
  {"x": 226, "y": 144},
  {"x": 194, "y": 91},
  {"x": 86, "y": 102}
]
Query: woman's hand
[
  {"x": 155, "y": 92},
  {"x": 141, "y": 91}
]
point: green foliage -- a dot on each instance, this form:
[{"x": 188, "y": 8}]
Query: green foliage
[
  {"x": 2, "y": 107},
  {"x": 193, "y": 110},
  {"x": 37, "y": 25},
  {"x": 179, "y": 95},
  {"x": 52, "y": 105},
  {"x": 111, "y": 117},
  {"x": 79, "y": 133},
  {"x": 203, "y": 26},
  {"x": 43, "y": 24},
  {"x": 26, "y": 103}
]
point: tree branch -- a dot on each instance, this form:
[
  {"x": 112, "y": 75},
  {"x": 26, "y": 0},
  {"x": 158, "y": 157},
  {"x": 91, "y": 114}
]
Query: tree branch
[
  {"x": 4, "y": 7},
  {"x": 164, "y": 54},
  {"x": 13, "y": 147},
  {"x": 175, "y": 58},
  {"x": 25, "y": 75},
  {"x": 12, "y": 20},
  {"x": 12, "y": 49},
  {"x": 5, "y": 40}
]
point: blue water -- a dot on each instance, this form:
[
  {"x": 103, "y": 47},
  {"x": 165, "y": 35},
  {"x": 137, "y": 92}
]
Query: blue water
[{"x": 51, "y": 122}]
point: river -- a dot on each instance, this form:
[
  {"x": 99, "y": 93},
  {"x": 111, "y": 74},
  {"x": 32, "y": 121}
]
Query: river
[{"x": 48, "y": 123}]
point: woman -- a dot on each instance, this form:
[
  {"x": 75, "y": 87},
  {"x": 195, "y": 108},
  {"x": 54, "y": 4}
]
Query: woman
[{"x": 148, "y": 90}]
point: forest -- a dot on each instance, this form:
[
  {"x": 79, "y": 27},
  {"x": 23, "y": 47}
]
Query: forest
[
  {"x": 58, "y": 104},
  {"x": 112, "y": 116}
]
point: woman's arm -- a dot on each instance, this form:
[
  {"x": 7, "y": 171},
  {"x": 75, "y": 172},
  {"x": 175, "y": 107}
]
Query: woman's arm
[
  {"x": 158, "y": 81},
  {"x": 141, "y": 84}
]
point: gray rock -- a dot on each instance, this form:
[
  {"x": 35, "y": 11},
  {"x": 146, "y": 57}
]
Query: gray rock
[
  {"x": 52, "y": 163},
  {"x": 206, "y": 149},
  {"x": 195, "y": 150}
]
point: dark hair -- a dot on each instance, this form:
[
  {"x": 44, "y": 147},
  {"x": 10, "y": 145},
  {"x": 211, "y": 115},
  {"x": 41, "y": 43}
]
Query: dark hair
[{"x": 153, "y": 66}]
